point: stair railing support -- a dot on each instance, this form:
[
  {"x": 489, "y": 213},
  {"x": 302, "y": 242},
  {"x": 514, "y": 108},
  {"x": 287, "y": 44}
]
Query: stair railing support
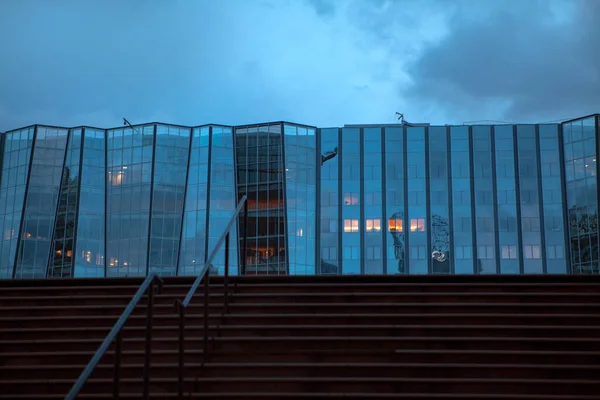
[{"x": 204, "y": 276}]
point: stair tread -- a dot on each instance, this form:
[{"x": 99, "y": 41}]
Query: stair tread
[
  {"x": 314, "y": 294},
  {"x": 319, "y": 338},
  {"x": 311, "y": 326},
  {"x": 305, "y": 315},
  {"x": 317, "y": 395},
  {"x": 311, "y": 379},
  {"x": 315, "y": 304},
  {"x": 311, "y": 365}
]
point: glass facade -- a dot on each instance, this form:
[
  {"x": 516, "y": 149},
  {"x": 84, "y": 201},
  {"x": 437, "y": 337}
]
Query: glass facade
[
  {"x": 580, "y": 141},
  {"x": 260, "y": 174},
  {"x": 360, "y": 199}
]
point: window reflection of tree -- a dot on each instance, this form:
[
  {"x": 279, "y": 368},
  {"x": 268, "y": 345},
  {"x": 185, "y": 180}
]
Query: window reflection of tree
[{"x": 398, "y": 236}]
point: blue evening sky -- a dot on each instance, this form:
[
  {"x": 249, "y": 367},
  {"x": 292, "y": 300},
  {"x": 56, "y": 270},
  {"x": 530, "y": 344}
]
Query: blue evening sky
[{"x": 318, "y": 62}]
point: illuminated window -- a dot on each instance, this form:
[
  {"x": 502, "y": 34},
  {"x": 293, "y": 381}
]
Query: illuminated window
[
  {"x": 116, "y": 179},
  {"x": 350, "y": 225},
  {"x": 395, "y": 225},
  {"x": 350, "y": 199},
  {"x": 509, "y": 252},
  {"x": 417, "y": 225},
  {"x": 532, "y": 252},
  {"x": 373, "y": 225}
]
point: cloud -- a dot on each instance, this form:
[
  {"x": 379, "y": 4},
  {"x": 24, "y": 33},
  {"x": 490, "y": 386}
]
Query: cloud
[
  {"x": 538, "y": 61},
  {"x": 318, "y": 62}
]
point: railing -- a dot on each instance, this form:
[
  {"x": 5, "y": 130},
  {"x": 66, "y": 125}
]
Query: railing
[
  {"x": 180, "y": 306},
  {"x": 115, "y": 333}
]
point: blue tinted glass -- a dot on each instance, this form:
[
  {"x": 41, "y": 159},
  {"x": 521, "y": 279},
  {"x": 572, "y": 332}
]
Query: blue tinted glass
[
  {"x": 351, "y": 201},
  {"x": 41, "y": 201},
  {"x": 90, "y": 249},
  {"x": 484, "y": 206},
  {"x": 395, "y": 222},
  {"x": 418, "y": 223},
  {"x": 128, "y": 200},
  {"x": 330, "y": 216},
  {"x": 170, "y": 167},
  {"x": 506, "y": 197},
  {"x": 552, "y": 195},
  {"x": 16, "y": 157},
  {"x": 300, "y": 170},
  {"x": 462, "y": 231},
  {"x": 439, "y": 201}
]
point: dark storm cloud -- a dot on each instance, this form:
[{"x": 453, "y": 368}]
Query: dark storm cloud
[
  {"x": 323, "y": 7},
  {"x": 519, "y": 61}
]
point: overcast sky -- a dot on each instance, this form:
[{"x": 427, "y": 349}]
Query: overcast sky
[{"x": 318, "y": 62}]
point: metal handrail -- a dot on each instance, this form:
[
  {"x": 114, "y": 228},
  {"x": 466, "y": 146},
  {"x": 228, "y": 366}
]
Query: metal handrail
[
  {"x": 180, "y": 306},
  {"x": 115, "y": 333}
]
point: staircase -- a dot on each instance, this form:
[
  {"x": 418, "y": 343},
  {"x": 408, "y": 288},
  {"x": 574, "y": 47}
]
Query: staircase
[{"x": 359, "y": 337}]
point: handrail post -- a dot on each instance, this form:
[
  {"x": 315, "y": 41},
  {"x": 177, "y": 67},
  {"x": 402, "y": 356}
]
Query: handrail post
[
  {"x": 245, "y": 236},
  {"x": 226, "y": 278},
  {"x": 117, "y": 368},
  {"x": 149, "y": 316},
  {"x": 181, "y": 310},
  {"x": 206, "y": 282}
]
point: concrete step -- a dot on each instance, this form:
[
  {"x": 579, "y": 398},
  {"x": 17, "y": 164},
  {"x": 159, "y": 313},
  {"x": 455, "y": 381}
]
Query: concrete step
[
  {"x": 195, "y": 355},
  {"x": 280, "y": 343},
  {"x": 384, "y": 330},
  {"x": 317, "y": 297},
  {"x": 378, "y": 318},
  {"x": 315, "y": 384},
  {"x": 313, "y": 308},
  {"x": 307, "y": 370}
]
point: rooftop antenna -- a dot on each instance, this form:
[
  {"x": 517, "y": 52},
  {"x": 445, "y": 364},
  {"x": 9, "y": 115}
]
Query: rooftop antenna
[
  {"x": 127, "y": 123},
  {"x": 400, "y": 117}
]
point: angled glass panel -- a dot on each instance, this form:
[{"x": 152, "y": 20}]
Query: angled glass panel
[
  {"x": 90, "y": 233},
  {"x": 300, "y": 178},
  {"x": 582, "y": 195},
  {"x": 41, "y": 201},
  {"x": 223, "y": 198},
  {"x": 259, "y": 151},
  {"x": 129, "y": 175},
  {"x": 193, "y": 241},
  {"x": 15, "y": 167},
  {"x": 170, "y": 167},
  {"x": 60, "y": 264}
]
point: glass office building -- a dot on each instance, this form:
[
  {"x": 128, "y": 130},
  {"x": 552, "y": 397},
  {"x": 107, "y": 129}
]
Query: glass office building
[{"x": 360, "y": 199}]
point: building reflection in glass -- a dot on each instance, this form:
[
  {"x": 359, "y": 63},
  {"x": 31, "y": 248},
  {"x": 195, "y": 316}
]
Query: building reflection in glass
[
  {"x": 33, "y": 251},
  {"x": 330, "y": 212},
  {"x": 394, "y": 200},
  {"x": 259, "y": 151},
  {"x": 582, "y": 194}
]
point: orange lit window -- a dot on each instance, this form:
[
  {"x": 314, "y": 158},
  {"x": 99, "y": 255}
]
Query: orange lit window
[
  {"x": 350, "y": 199},
  {"x": 395, "y": 225},
  {"x": 417, "y": 225},
  {"x": 116, "y": 178},
  {"x": 373, "y": 225},
  {"x": 350, "y": 225}
]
